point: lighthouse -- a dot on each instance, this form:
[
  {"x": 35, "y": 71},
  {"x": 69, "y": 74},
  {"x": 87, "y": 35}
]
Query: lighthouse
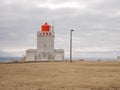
[
  {"x": 45, "y": 46},
  {"x": 45, "y": 43}
]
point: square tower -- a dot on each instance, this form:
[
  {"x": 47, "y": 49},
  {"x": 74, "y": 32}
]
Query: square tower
[{"x": 45, "y": 43}]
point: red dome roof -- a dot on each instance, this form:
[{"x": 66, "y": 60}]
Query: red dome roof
[{"x": 45, "y": 27}]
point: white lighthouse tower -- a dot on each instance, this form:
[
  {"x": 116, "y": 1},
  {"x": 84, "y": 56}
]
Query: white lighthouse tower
[
  {"x": 45, "y": 46},
  {"x": 45, "y": 43}
]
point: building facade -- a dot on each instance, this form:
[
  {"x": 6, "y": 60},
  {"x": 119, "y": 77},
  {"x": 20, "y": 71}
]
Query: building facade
[
  {"x": 118, "y": 58},
  {"x": 45, "y": 46}
]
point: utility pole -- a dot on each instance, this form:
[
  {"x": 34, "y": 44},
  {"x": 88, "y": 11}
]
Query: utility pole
[{"x": 71, "y": 45}]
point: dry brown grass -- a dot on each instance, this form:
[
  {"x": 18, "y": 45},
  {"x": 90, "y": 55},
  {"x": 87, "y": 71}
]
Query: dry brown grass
[{"x": 79, "y": 75}]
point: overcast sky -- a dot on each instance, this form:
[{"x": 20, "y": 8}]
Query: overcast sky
[{"x": 96, "y": 24}]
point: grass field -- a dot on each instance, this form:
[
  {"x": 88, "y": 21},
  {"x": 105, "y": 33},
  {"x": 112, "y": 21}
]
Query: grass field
[{"x": 79, "y": 75}]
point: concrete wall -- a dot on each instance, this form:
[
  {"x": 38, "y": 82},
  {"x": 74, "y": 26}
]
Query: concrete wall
[
  {"x": 118, "y": 58},
  {"x": 31, "y": 54},
  {"x": 45, "y": 56},
  {"x": 45, "y": 45},
  {"x": 45, "y": 41}
]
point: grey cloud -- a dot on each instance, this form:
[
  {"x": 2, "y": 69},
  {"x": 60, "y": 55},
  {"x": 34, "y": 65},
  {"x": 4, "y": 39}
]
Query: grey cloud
[{"x": 95, "y": 26}]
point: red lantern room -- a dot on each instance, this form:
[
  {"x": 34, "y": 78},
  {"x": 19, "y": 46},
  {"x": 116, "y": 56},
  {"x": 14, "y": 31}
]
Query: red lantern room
[{"x": 45, "y": 27}]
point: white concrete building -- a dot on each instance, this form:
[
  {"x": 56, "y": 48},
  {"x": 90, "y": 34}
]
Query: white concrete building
[
  {"x": 45, "y": 46},
  {"x": 118, "y": 58}
]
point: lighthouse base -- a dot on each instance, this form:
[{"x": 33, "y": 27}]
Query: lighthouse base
[{"x": 33, "y": 55}]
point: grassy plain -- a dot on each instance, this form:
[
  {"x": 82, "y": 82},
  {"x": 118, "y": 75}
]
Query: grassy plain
[{"x": 79, "y": 75}]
